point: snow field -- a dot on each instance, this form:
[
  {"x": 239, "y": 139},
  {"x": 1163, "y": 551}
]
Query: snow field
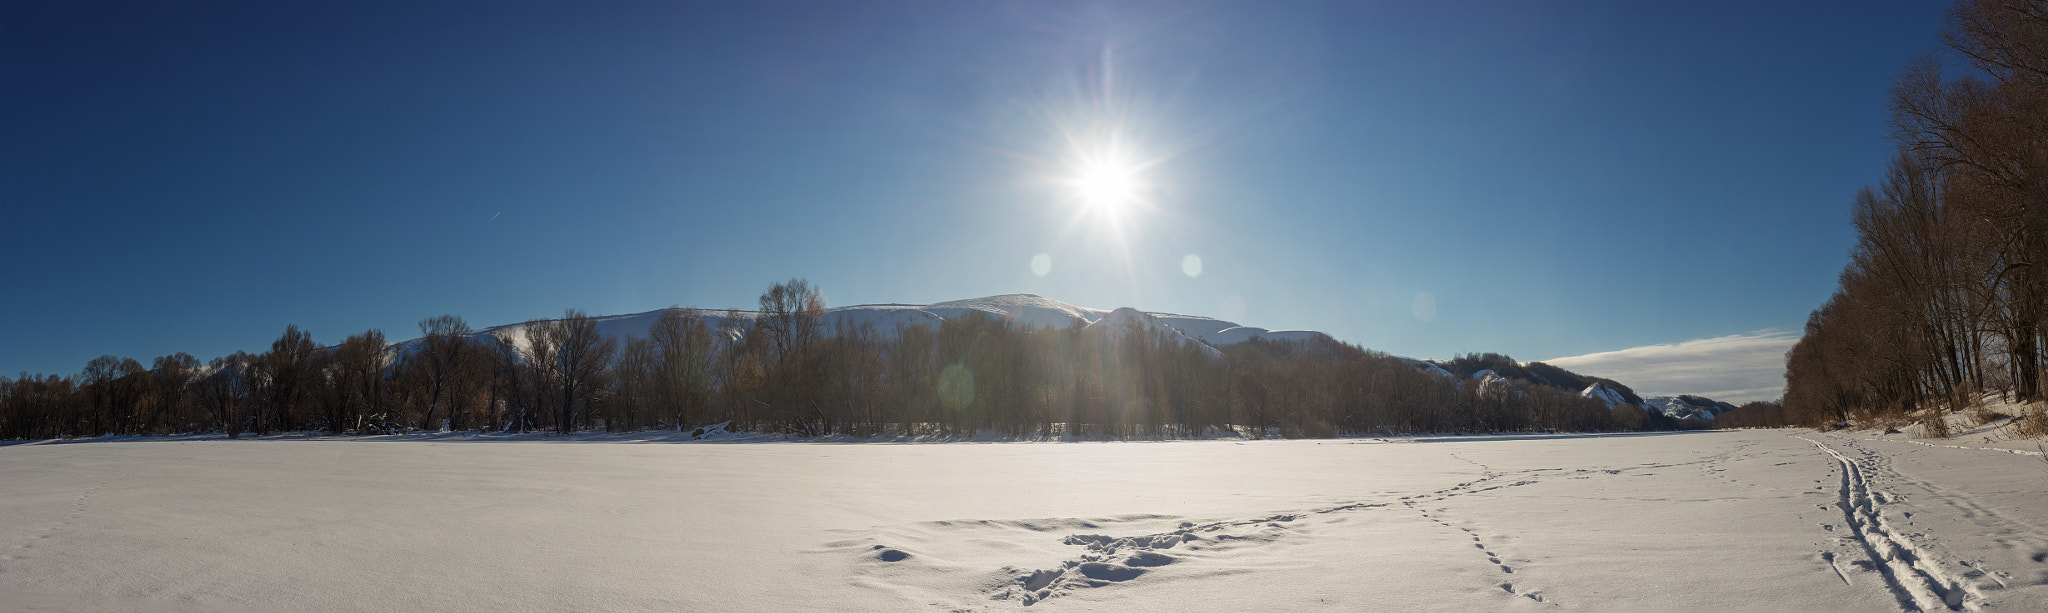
[{"x": 1731, "y": 520}]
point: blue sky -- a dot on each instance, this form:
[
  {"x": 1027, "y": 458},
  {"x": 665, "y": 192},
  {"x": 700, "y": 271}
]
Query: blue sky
[{"x": 1559, "y": 178}]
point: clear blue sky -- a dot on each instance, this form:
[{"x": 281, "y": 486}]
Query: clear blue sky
[{"x": 1562, "y": 178}]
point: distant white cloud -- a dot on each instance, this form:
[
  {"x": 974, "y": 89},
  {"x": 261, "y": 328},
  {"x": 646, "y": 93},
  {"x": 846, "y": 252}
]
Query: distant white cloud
[{"x": 1736, "y": 369}]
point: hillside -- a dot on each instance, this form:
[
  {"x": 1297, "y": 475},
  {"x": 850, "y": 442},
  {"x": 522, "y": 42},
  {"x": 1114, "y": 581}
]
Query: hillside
[
  {"x": 1016, "y": 364},
  {"x": 1018, "y": 309},
  {"x": 1038, "y": 312}
]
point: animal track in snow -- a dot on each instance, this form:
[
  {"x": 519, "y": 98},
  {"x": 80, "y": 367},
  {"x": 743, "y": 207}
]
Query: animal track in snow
[
  {"x": 1105, "y": 559},
  {"x": 1477, "y": 543},
  {"x": 79, "y": 509},
  {"x": 1109, "y": 560}
]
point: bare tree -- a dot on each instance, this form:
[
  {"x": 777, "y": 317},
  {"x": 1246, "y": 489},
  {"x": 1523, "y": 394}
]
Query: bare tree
[
  {"x": 447, "y": 362},
  {"x": 792, "y": 323},
  {"x": 283, "y": 378},
  {"x": 358, "y": 383},
  {"x": 580, "y": 356},
  {"x": 224, "y": 391},
  {"x": 171, "y": 392},
  {"x": 110, "y": 382},
  {"x": 1989, "y": 130},
  {"x": 792, "y": 318},
  {"x": 683, "y": 359},
  {"x": 516, "y": 388},
  {"x": 635, "y": 374}
]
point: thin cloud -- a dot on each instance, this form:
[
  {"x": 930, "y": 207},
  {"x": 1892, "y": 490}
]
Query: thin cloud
[{"x": 1736, "y": 368}]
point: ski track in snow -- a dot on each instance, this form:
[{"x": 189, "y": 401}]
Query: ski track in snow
[
  {"x": 2010, "y": 531},
  {"x": 1915, "y": 577}
]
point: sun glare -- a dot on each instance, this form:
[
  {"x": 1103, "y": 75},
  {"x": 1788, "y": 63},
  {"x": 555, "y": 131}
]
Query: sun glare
[{"x": 1107, "y": 185}]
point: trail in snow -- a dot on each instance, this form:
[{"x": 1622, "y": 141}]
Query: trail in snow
[{"x": 1917, "y": 578}]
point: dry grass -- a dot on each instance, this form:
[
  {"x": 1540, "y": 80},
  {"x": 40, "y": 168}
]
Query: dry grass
[
  {"x": 2033, "y": 423},
  {"x": 1969, "y": 401},
  {"x": 1935, "y": 425},
  {"x": 1887, "y": 418},
  {"x": 1984, "y": 414}
]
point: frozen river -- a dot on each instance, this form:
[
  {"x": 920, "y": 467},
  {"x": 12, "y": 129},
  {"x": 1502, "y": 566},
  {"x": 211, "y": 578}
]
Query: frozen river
[{"x": 1768, "y": 520}]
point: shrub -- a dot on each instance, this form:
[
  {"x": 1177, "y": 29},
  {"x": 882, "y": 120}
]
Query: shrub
[
  {"x": 1936, "y": 423},
  {"x": 2033, "y": 424},
  {"x": 1983, "y": 414}
]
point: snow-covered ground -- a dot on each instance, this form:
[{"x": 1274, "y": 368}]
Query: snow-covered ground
[{"x": 1756, "y": 519}]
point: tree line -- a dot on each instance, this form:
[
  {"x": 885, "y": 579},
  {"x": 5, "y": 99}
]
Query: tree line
[
  {"x": 1943, "y": 297},
  {"x": 788, "y": 368}
]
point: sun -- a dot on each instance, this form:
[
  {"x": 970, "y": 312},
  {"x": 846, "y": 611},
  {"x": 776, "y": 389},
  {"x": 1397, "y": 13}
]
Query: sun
[{"x": 1105, "y": 184}]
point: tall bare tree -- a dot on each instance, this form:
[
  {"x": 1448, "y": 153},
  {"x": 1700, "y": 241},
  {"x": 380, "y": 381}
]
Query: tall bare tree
[
  {"x": 447, "y": 364},
  {"x": 791, "y": 323},
  {"x": 171, "y": 393},
  {"x": 112, "y": 383},
  {"x": 284, "y": 379},
  {"x": 1988, "y": 128},
  {"x": 577, "y": 357},
  {"x": 358, "y": 383},
  {"x": 683, "y": 348}
]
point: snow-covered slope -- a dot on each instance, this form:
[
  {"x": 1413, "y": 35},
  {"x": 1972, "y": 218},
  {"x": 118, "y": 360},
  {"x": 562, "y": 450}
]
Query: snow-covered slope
[
  {"x": 1492, "y": 385},
  {"x": 1687, "y": 407},
  {"x": 1429, "y": 367},
  {"x": 1218, "y": 332},
  {"x": 1675, "y": 407},
  {"x": 1033, "y": 311},
  {"x": 1025, "y": 309},
  {"x": 1128, "y": 320},
  {"x": 1603, "y": 393}
]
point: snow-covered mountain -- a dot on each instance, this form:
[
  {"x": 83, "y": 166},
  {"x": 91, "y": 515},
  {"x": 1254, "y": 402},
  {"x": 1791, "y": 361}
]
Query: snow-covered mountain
[
  {"x": 1020, "y": 309},
  {"x": 1688, "y": 406},
  {"x": 1605, "y": 393},
  {"x": 1675, "y": 407},
  {"x": 1041, "y": 312},
  {"x": 1127, "y": 320}
]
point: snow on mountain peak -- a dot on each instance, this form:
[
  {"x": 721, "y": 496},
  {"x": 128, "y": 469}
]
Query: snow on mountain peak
[
  {"x": 1602, "y": 392},
  {"x": 1687, "y": 407},
  {"x": 1125, "y": 320},
  {"x": 1492, "y": 385}
]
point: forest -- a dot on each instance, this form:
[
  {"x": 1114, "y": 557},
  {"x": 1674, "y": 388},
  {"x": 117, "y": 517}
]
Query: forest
[
  {"x": 784, "y": 369},
  {"x": 1942, "y": 300}
]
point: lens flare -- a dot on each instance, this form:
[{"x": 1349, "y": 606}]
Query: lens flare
[{"x": 1423, "y": 307}]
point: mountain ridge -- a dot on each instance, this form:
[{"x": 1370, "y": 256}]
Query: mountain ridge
[
  {"x": 1046, "y": 313},
  {"x": 1030, "y": 309}
]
